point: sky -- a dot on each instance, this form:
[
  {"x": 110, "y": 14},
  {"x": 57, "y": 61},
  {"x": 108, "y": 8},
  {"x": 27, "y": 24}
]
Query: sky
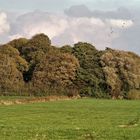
[{"x": 104, "y": 23}]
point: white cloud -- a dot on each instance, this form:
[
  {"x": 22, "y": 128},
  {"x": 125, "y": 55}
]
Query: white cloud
[
  {"x": 4, "y": 25},
  {"x": 85, "y": 20},
  {"x": 120, "y": 23},
  {"x": 38, "y": 22},
  {"x": 64, "y": 28},
  {"x": 93, "y": 30},
  {"x": 102, "y": 28},
  {"x": 15, "y": 36}
]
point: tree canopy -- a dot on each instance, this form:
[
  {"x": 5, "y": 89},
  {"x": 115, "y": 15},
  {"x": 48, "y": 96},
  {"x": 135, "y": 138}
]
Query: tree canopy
[{"x": 35, "y": 63}]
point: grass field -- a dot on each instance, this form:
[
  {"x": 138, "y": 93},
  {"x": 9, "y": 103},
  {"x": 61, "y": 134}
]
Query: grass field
[{"x": 82, "y": 119}]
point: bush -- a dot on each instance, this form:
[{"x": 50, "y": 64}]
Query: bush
[{"x": 134, "y": 94}]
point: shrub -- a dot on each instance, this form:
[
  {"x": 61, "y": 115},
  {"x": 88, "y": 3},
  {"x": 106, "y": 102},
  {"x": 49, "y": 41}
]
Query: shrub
[{"x": 134, "y": 94}]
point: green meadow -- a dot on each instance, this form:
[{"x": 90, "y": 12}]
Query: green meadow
[{"x": 81, "y": 119}]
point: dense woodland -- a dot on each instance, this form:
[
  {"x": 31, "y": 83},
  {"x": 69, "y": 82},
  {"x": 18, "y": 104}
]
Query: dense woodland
[{"x": 35, "y": 67}]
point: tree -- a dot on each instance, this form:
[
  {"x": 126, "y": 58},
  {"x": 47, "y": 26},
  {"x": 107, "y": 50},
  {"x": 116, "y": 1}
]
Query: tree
[
  {"x": 18, "y": 43},
  {"x": 121, "y": 70},
  {"x": 33, "y": 51},
  {"x": 14, "y": 54},
  {"x": 55, "y": 70},
  {"x": 89, "y": 75},
  {"x": 35, "y": 65},
  {"x": 39, "y": 42},
  {"x": 10, "y": 77},
  {"x": 66, "y": 49}
]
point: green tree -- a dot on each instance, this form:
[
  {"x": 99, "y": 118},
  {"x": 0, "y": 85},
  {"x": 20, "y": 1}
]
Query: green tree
[
  {"x": 36, "y": 43},
  {"x": 66, "y": 49},
  {"x": 89, "y": 76}
]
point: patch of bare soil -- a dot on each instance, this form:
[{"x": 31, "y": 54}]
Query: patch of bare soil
[
  {"x": 128, "y": 126},
  {"x": 37, "y": 99}
]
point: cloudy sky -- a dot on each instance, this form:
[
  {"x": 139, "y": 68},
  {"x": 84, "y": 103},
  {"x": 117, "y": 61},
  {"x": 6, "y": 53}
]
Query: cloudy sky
[{"x": 104, "y": 23}]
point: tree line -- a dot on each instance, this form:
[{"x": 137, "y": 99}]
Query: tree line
[{"x": 35, "y": 67}]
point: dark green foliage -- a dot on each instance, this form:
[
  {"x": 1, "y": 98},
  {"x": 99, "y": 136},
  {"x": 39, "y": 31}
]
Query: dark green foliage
[
  {"x": 34, "y": 51},
  {"x": 39, "y": 42},
  {"x": 89, "y": 75},
  {"x": 66, "y": 49}
]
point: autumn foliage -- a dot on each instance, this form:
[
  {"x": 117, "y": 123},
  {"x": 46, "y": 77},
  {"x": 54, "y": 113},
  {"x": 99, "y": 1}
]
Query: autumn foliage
[{"x": 35, "y": 67}]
